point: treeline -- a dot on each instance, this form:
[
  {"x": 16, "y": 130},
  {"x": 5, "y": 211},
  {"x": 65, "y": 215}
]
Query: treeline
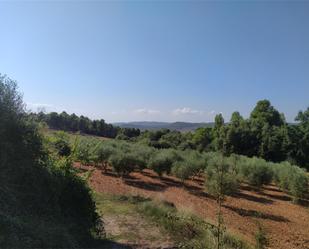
[
  {"x": 72, "y": 122},
  {"x": 264, "y": 134}
]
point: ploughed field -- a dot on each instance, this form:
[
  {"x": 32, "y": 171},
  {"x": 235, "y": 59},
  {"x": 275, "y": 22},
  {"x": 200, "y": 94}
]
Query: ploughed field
[{"x": 286, "y": 224}]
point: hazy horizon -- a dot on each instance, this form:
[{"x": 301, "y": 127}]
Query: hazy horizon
[{"x": 157, "y": 61}]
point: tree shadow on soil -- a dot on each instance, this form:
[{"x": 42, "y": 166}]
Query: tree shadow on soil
[
  {"x": 198, "y": 191},
  {"x": 109, "y": 173},
  {"x": 277, "y": 197},
  {"x": 256, "y": 214},
  {"x": 271, "y": 188},
  {"x": 144, "y": 185},
  {"x": 252, "y": 198},
  {"x": 304, "y": 203},
  {"x": 169, "y": 182}
]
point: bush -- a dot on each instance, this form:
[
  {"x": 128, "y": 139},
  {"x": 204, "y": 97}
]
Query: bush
[
  {"x": 221, "y": 180},
  {"x": 142, "y": 155},
  {"x": 187, "y": 230},
  {"x": 255, "y": 171},
  {"x": 122, "y": 163},
  {"x": 183, "y": 170},
  {"x": 102, "y": 155},
  {"x": 291, "y": 179},
  {"x": 298, "y": 186},
  {"x": 162, "y": 161},
  {"x": 86, "y": 152},
  {"x": 42, "y": 205},
  {"x": 62, "y": 144}
]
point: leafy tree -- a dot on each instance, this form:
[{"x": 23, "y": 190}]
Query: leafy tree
[
  {"x": 162, "y": 161},
  {"x": 122, "y": 163},
  {"x": 298, "y": 136},
  {"x": 66, "y": 122},
  {"x": 220, "y": 133},
  {"x": 202, "y": 138},
  {"x": 221, "y": 178},
  {"x": 274, "y": 143},
  {"x": 236, "y": 119},
  {"x": 220, "y": 182},
  {"x": 256, "y": 171},
  {"x": 265, "y": 113}
]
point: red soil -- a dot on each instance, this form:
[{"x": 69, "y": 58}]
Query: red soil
[{"x": 286, "y": 224}]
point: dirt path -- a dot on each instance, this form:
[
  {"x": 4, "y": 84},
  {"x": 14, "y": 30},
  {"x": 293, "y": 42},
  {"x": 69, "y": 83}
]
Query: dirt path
[
  {"x": 286, "y": 224},
  {"x": 124, "y": 225}
]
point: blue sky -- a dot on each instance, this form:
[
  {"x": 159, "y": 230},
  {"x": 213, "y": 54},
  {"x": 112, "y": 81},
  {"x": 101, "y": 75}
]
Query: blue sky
[{"x": 163, "y": 61}]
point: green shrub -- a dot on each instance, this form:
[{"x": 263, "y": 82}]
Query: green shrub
[
  {"x": 122, "y": 163},
  {"x": 43, "y": 203},
  {"x": 183, "y": 170},
  {"x": 62, "y": 143},
  {"x": 162, "y": 161},
  {"x": 298, "y": 186},
  {"x": 221, "y": 180},
  {"x": 255, "y": 171},
  {"x": 189, "y": 231},
  {"x": 86, "y": 152},
  {"x": 102, "y": 155},
  {"x": 142, "y": 155},
  {"x": 291, "y": 179}
]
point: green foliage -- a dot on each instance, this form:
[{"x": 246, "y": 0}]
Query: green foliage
[
  {"x": 256, "y": 171},
  {"x": 66, "y": 122},
  {"x": 292, "y": 179},
  {"x": 125, "y": 157},
  {"x": 102, "y": 154},
  {"x": 43, "y": 203},
  {"x": 162, "y": 161},
  {"x": 86, "y": 152},
  {"x": 123, "y": 163},
  {"x": 142, "y": 155},
  {"x": 192, "y": 164},
  {"x": 62, "y": 144},
  {"x": 182, "y": 170},
  {"x": 188, "y": 230},
  {"x": 260, "y": 238},
  {"x": 265, "y": 134},
  {"x": 221, "y": 178},
  {"x": 298, "y": 185},
  {"x": 202, "y": 138},
  {"x": 265, "y": 113}
]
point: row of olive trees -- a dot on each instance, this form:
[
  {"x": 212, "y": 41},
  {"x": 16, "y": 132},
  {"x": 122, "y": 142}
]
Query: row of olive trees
[{"x": 125, "y": 158}]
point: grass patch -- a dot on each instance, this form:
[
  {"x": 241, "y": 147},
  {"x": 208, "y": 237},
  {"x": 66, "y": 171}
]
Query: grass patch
[{"x": 187, "y": 230}]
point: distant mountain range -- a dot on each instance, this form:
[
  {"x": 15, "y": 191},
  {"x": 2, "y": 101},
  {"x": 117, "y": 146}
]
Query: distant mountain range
[{"x": 149, "y": 125}]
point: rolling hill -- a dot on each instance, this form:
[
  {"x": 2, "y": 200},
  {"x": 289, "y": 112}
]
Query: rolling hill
[{"x": 152, "y": 125}]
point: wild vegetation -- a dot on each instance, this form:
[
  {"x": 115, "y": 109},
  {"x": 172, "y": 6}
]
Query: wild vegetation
[
  {"x": 43, "y": 203},
  {"x": 186, "y": 229},
  {"x": 64, "y": 121},
  {"x": 43, "y": 198},
  {"x": 265, "y": 134}
]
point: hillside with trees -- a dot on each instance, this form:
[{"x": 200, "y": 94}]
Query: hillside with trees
[
  {"x": 46, "y": 201},
  {"x": 264, "y": 134}
]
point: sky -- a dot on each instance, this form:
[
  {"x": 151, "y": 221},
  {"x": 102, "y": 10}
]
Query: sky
[{"x": 157, "y": 60}]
